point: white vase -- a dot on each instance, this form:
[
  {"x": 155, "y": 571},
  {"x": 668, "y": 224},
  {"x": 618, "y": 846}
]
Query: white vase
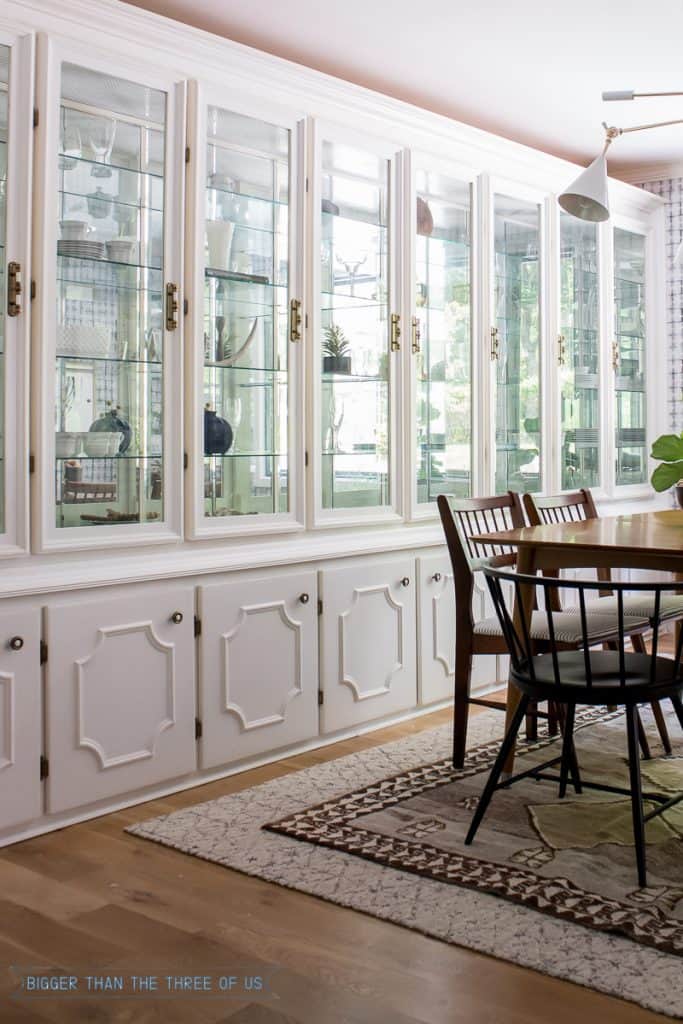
[{"x": 219, "y": 238}]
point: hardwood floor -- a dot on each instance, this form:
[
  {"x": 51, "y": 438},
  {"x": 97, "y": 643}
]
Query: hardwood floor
[{"x": 96, "y": 901}]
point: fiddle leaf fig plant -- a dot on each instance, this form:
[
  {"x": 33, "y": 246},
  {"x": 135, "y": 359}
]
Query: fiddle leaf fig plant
[{"x": 669, "y": 450}]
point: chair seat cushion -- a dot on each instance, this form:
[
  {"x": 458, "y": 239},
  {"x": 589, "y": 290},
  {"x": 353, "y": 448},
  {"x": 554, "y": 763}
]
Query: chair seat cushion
[
  {"x": 641, "y": 605},
  {"x": 641, "y": 682},
  {"x": 567, "y": 626}
]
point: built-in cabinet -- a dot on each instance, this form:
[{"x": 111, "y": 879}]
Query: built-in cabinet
[{"x": 267, "y": 318}]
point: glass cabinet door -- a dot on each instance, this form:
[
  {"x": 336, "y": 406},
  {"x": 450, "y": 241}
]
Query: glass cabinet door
[
  {"x": 629, "y": 356},
  {"x": 441, "y": 336},
  {"x": 516, "y": 343},
  {"x": 357, "y": 329},
  {"x": 578, "y": 356},
  {"x": 110, "y": 306},
  {"x": 248, "y": 320}
]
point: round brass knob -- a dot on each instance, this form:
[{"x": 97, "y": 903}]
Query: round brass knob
[
  {"x": 16, "y": 643},
  {"x": 405, "y": 582},
  {"x": 437, "y": 577},
  {"x": 304, "y": 598},
  {"x": 177, "y": 618}
]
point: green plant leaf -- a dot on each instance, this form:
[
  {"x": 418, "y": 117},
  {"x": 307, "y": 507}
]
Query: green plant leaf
[
  {"x": 668, "y": 447},
  {"x": 666, "y": 475}
]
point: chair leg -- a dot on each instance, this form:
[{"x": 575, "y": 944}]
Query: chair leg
[
  {"x": 531, "y": 722},
  {"x": 678, "y": 708},
  {"x": 553, "y": 718},
  {"x": 636, "y": 792},
  {"x": 642, "y": 737},
  {"x": 569, "y": 763},
  {"x": 498, "y": 766},
  {"x": 461, "y": 702},
  {"x": 661, "y": 725}
]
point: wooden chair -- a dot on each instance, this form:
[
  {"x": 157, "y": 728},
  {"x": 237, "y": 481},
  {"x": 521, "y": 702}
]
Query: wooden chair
[
  {"x": 586, "y": 677},
  {"x": 575, "y": 507},
  {"x": 461, "y": 518}
]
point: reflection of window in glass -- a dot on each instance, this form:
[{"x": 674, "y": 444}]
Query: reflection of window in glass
[
  {"x": 629, "y": 357},
  {"x": 578, "y": 355},
  {"x": 443, "y": 313},
  {"x": 354, "y": 263},
  {"x": 516, "y": 344}
]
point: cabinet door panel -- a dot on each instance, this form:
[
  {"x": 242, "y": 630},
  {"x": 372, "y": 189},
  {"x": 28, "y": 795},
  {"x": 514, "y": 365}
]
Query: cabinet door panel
[
  {"x": 368, "y": 642},
  {"x": 20, "y": 717},
  {"x": 120, "y": 693},
  {"x": 258, "y": 676},
  {"x": 436, "y": 628}
]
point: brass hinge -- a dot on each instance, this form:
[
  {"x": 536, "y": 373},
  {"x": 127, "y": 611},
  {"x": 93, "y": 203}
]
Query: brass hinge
[
  {"x": 320, "y": 606},
  {"x": 395, "y": 332},
  {"x": 33, "y": 290},
  {"x": 321, "y": 698},
  {"x": 43, "y": 652},
  {"x": 307, "y": 184},
  {"x": 44, "y": 767},
  {"x": 197, "y": 626},
  {"x": 187, "y": 154},
  {"x": 186, "y": 307},
  {"x": 186, "y": 460},
  {"x": 305, "y": 458},
  {"x": 306, "y": 320},
  {"x": 198, "y": 728},
  {"x": 36, "y": 117},
  {"x": 31, "y": 463}
]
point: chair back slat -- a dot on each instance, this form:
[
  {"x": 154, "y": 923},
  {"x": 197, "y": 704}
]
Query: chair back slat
[
  {"x": 620, "y": 625},
  {"x": 548, "y": 509},
  {"x": 584, "y": 632}
]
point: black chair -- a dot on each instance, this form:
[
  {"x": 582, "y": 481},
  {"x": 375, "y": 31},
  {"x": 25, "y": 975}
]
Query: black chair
[{"x": 585, "y": 676}]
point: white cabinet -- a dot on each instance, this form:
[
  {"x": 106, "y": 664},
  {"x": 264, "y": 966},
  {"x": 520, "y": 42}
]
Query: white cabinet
[
  {"x": 20, "y": 716},
  {"x": 368, "y": 659},
  {"x": 120, "y": 692},
  {"x": 436, "y": 632},
  {"x": 258, "y": 665}
]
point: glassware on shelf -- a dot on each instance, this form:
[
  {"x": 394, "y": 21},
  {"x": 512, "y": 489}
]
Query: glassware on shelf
[{"x": 101, "y": 140}]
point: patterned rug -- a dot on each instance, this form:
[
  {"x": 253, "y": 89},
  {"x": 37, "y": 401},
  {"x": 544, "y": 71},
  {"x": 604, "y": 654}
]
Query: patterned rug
[{"x": 548, "y": 884}]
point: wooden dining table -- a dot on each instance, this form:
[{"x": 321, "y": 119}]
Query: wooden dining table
[{"x": 644, "y": 540}]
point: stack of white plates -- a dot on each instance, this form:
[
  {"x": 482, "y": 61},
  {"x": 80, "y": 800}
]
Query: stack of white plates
[{"x": 81, "y": 248}]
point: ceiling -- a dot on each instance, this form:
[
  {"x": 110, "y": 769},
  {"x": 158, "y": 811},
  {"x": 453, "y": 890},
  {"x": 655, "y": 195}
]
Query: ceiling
[{"x": 518, "y": 69}]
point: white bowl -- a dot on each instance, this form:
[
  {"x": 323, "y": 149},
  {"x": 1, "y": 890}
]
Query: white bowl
[
  {"x": 98, "y": 443},
  {"x": 121, "y": 250},
  {"x": 74, "y": 230}
]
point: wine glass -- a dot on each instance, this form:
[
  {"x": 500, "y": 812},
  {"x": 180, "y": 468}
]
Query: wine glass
[
  {"x": 352, "y": 264},
  {"x": 72, "y": 147},
  {"x": 101, "y": 139}
]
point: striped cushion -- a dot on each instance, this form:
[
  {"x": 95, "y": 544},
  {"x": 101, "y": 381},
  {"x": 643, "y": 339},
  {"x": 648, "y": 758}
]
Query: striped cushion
[
  {"x": 641, "y": 605},
  {"x": 567, "y": 626}
]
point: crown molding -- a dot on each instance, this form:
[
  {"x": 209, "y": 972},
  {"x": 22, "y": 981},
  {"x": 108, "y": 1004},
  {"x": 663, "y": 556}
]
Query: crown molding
[{"x": 643, "y": 173}]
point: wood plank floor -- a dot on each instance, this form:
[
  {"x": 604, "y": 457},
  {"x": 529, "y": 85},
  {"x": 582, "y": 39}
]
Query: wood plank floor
[{"x": 94, "y": 900}]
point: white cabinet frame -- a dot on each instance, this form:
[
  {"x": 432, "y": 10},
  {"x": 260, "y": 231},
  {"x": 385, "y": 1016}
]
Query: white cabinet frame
[
  {"x": 52, "y": 52},
  {"x": 199, "y": 526},
  {"x": 15, "y": 398},
  {"x": 321, "y": 131}
]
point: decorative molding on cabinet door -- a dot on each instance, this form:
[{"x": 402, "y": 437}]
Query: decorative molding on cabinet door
[
  {"x": 279, "y": 608},
  {"x": 446, "y": 581},
  {"x": 168, "y": 653},
  {"x": 7, "y": 716},
  {"x": 344, "y": 623}
]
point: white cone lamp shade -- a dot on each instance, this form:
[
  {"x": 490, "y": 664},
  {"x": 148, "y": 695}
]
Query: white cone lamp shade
[{"x": 587, "y": 197}]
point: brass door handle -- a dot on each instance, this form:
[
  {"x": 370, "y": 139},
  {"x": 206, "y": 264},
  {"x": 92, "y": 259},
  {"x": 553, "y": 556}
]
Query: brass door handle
[
  {"x": 171, "y": 306},
  {"x": 16, "y": 643},
  {"x": 405, "y": 582},
  {"x": 304, "y": 598},
  {"x": 295, "y": 320},
  {"x": 615, "y": 356},
  {"x": 417, "y": 335},
  {"x": 437, "y": 577},
  {"x": 14, "y": 288},
  {"x": 177, "y": 618},
  {"x": 395, "y": 332},
  {"x": 495, "y": 343},
  {"x": 561, "y": 351}
]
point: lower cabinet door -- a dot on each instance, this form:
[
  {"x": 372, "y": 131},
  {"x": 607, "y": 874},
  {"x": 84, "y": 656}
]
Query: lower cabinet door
[
  {"x": 120, "y": 692},
  {"x": 368, "y": 637},
  {"x": 258, "y": 665},
  {"x": 20, "y": 717}
]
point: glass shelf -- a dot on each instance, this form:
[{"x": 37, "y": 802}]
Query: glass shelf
[
  {"x": 88, "y": 162},
  {"x": 108, "y": 262},
  {"x": 109, "y": 199}
]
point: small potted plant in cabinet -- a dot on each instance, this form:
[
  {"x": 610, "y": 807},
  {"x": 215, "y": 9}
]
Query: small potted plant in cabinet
[{"x": 336, "y": 349}]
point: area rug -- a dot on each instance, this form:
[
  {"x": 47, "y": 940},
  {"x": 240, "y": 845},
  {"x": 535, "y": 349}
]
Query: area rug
[{"x": 547, "y": 884}]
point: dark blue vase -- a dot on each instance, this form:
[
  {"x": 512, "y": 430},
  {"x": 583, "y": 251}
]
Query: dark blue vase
[
  {"x": 217, "y": 433},
  {"x": 112, "y": 422}
]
